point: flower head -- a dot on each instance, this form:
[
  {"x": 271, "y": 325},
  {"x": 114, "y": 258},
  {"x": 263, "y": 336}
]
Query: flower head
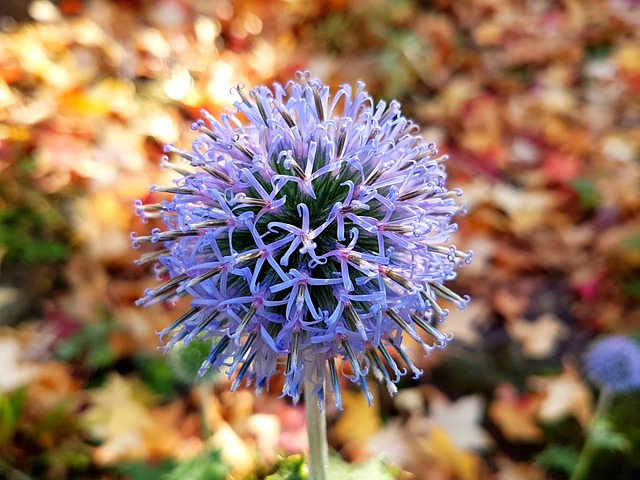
[
  {"x": 309, "y": 226},
  {"x": 614, "y": 363}
]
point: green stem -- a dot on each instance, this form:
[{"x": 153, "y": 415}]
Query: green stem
[
  {"x": 317, "y": 431},
  {"x": 581, "y": 471}
]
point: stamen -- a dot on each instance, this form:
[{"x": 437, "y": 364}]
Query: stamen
[
  {"x": 375, "y": 131},
  {"x": 382, "y": 372},
  {"x": 397, "y": 228},
  {"x": 240, "y": 90},
  {"x": 167, "y": 286},
  {"x": 393, "y": 315},
  {"x": 318, "y": 102},
  {"x": 262, "y": 110},
  {"x": 447, "y": 293},
  {"x": 398, "y": 278},
  {"x": 176, "y": 168},
  {"x": 243, "y": 372},
  {"x": 167, "y": 236},
  {"x": 151, "y": 207},
  {"x": 217, "y": 173},
  {"x": 342, "y": 141},
  {"x": 210, "y": 224},
  {"x": 292, "y": 358},
  {"x": 432, "y": 301},
  {"x": 333, "y": 373},
  {"x": 151, "y": 256},
  {"x": 208, "y": 132},
  {"x": 394, "y": 366},
  {"x": 430, "y": 329},
  {"x": 222, "y": 344},
  {"x": 293, "y": 165},
  {"x": 203, "y": 276},
  {"x": 285, "y": 115},
  {"x": 353, "y": 359},
  {"x": 176, "y": 323},
  {"x": 171, "y": 149},
  {"x": 245, "y": 320},
  {"x": 248, "y": 257},
  {"x": 375, "y": 175},
  {"x": 174, "y": 190},
  {"x": 253, "y": 202},
  {"x": 353, "y": 321},
  {"x": 405, "y": 358},
  {"x": 415, "y": 193},
  {"x": 244, "y": 150}
]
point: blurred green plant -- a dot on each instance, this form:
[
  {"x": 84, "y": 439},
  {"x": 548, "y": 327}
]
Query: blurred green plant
[
  {"x": 293, "y": 468},
  {"x": 208, "y": 465},
  {"x": 90, "y": 346}
]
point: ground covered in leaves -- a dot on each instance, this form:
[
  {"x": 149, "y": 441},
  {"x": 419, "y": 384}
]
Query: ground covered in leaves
[{"x": 536, "y": 102}]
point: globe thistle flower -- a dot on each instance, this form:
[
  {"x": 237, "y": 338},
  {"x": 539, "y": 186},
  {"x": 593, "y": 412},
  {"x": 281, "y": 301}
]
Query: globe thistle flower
[
  {"x": 614, "y": 363},
  {"x": 307, "y": 227}
]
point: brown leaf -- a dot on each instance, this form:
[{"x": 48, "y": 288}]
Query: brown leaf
[{"x": 515, "y": 414}]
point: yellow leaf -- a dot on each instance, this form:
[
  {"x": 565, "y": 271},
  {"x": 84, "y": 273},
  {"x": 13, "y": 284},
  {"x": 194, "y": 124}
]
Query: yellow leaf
[
  {"x": 457, "y": 463},
  {"x": 359, "y": 421},
  {"x": 233, "y": 450},
  {"x": 118, "y": 416}
]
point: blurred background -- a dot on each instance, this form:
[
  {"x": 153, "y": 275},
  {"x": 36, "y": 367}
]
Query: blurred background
[{"x": 536, "y": 102}]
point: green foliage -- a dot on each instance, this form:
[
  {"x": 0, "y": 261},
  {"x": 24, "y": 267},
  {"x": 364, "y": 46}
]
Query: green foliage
[
  {"x": 154, "y": 372},
  {"x": 587, "y": 193},
  {"x": 290, "y": 468},
  {"x": 603, "y": 437},
  {"x": 294, "y": 468},
  {"x": 206, "y": 466},
  {"x": 185, "y": 361},
  {"x": 11, "y": 407},
  {"x": 632, "y": 243},
  {"x": 90, "y": 345},
  {"x": 372, "y": 468},
  {"x": 30, "y": 236},
  {"x": 558, "y": 458},
  {"x": 144, "y": 471}
]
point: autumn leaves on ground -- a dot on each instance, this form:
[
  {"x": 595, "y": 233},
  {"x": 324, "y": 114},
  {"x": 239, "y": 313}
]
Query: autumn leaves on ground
[{"x": 536, "y": 103}]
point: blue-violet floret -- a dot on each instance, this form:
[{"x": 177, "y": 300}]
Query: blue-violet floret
[{"x": 614, "y": 363}]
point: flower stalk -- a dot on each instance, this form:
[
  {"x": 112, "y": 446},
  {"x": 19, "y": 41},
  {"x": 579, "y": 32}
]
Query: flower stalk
[{"x": 317, "y": 432}]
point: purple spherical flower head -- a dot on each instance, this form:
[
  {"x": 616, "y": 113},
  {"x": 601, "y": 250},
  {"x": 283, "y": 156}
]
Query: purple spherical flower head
[
  {"x": 614, "y": 363},
  {"x": 307, "y": 225}
]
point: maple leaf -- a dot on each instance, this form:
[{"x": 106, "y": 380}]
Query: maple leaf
[
  {"x": 118, "y": 416},
  {"x": 538, "y": 338},
  {"x": 460, "y": 420},
  {"x": 563, "y": 395}
]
